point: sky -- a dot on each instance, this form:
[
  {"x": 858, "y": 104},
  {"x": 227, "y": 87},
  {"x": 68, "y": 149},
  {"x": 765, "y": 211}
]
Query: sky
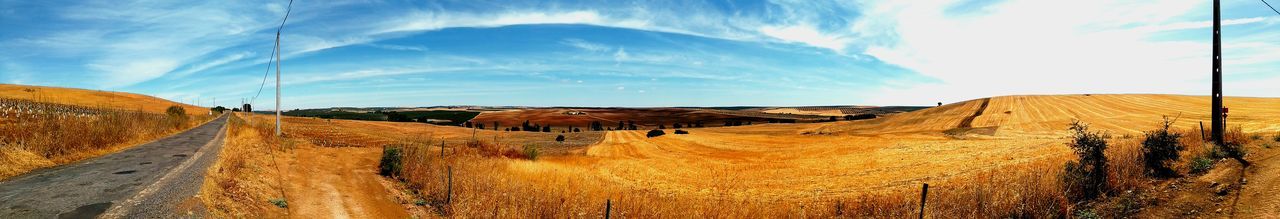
[{"x": 635, "y": 53}]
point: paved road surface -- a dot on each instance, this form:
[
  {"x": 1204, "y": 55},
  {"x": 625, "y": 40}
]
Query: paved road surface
[{"x": 154, "y": 180}]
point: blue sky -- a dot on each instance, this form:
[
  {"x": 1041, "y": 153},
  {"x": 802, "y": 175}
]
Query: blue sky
[{"x": 636, "y": 53}]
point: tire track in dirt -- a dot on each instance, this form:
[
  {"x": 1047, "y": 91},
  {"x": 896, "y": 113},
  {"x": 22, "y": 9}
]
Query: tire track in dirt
[
  {"x": 1260, "y": 199},
  {"x": 968, "y": 121}
]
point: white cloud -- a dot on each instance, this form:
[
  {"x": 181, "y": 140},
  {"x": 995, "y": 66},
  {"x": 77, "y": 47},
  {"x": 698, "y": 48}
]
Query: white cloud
[
  {"x": 119, "y": 73},
  {"x": 585, "y": 45},
  {"x": 212, "y": 63},
  {"x": 1038, "y": 47},
  {"x": 432, "y": 20},
  {"x": 620, "y": 56},
  {"x": 399, "y": 47},
  {"x": 807, "y": 35}
]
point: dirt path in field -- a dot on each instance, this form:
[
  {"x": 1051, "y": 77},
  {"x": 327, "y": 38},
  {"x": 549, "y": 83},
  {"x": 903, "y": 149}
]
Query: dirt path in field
[
  {"x": 1260, "y": 197},
  {"x": 1211, "y": 195},
  {"x": 337, "y": 183}
]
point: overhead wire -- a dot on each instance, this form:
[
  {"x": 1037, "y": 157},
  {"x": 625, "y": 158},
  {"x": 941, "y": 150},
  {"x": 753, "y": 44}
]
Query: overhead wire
[
  {"x": 1269, "y": 6},
  {"x": 274, "y": 51}
]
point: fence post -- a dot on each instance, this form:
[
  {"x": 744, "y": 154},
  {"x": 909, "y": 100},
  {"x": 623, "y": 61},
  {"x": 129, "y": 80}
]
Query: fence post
[
  {"x": 1201, "y": 131},
  {"x": 924, "y": 194},
  {"x": 441, "y": 148},
  {"x": 608, "y": 205},
  {"x": 448, "y": 198}
]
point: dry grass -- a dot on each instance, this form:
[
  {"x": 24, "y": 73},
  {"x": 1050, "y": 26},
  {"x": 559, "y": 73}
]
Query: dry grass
[
  {"x": 866, "y": 169},
  {"x": 1045, "y": 115},
  {"x": 93, "y": 98},
  {"x": 35, "y": 140},
  {"x": 241, "y": 182}
]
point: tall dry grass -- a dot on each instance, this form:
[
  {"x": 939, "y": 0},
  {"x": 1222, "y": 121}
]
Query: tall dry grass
[
  {"x": 244, "y": 179},
  {"x": 38, "y": 139},
  {"x": 486, "y": 185}
]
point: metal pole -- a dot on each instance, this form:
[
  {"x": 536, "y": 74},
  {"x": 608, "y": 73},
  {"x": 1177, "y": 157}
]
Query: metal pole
[
  {"x": 1218, "y": 125},
  {"x": 278, "y": 57}
]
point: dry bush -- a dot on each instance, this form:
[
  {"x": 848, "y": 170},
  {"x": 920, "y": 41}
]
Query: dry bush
[
  {"x": 1127, "y": 168},
  {"x": 60, "y": 137},
  {"x": 1160, "y": 148},
  {"x": 1086, "y": 177}
]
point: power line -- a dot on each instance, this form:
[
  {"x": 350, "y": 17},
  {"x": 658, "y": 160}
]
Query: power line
[
  {"x": 1269, "y": 6},
  {"x": 274, "y": 51}
]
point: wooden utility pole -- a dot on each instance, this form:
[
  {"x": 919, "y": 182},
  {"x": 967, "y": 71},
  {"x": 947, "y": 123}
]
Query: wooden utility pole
[{"x": 1218, "y": 125}]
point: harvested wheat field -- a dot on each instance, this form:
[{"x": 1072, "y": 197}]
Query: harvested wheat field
[
  {"x": 982, "y": 158},
  {"x": 1046, "y": 115},
  {"x": 92, "y": 98}
]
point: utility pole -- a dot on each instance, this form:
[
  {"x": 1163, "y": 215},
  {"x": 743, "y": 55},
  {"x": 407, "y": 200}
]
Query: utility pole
[
  {"x": 1218, "y": 125},
  {"x": 278, "y": 58}
]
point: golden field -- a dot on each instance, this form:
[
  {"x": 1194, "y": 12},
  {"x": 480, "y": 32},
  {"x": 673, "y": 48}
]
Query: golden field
[
  {"x": 93, "y": 98},
  {"x": 42, "y": 127},
  {"x": 1001, "y": 161}
]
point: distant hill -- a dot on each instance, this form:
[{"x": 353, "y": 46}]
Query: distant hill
[
  {"x": 1050, "y": 114},
  {"x": 93, "y": 98}
]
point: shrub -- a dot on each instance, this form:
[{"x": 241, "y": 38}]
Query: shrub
[
  {"x": 1160, "y": 148},
  {"x": 279, "y": 203},
  {"x": 1276, "y": 138},
  {"x": 390, "y": 164},
  {"x": 177, "y": 116},
  {"x": 1087, "y": 214},
  {"x": 1201, "y": 164},
  {"x": 531, "y": 151},
  {"x": 655, "y": 133},
  {"x": 560, "y": 138},
  {"x": 1235, "y": 140},
  {"x": 175, "y": 110},
  {"x": 681, "y": 132},
  {"x": 1086, "y": 178}
]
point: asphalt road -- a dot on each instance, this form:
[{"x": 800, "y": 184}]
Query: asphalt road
[{"x": 154, "y": 180}]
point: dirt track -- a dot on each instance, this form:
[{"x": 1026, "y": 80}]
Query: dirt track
[
  {"x": 1260, "y": 198},
  {"x": 338, "y": 183},
  {"x": 153, "y": 180}
]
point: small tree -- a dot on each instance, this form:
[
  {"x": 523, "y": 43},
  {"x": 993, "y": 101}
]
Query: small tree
[
  {"x": 177, "y": 116},
  {"x": 175, "y": 111},
  {"x": 390, "y": 164},
  {"x": 655, "y": 133},
  {"x": 1160, "y": 148},
  {"x": 1086, "y": 178}
]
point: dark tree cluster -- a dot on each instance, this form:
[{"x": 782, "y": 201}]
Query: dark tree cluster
[
  {"x": 655, "y": 133},
  {"x": 735, "y": 123},
  {"x": 526, "y": 126},
  {"x": 780, "y": 121},
  {"x": 596, "y": 126},
  {"x": 859, "y": 117}
]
